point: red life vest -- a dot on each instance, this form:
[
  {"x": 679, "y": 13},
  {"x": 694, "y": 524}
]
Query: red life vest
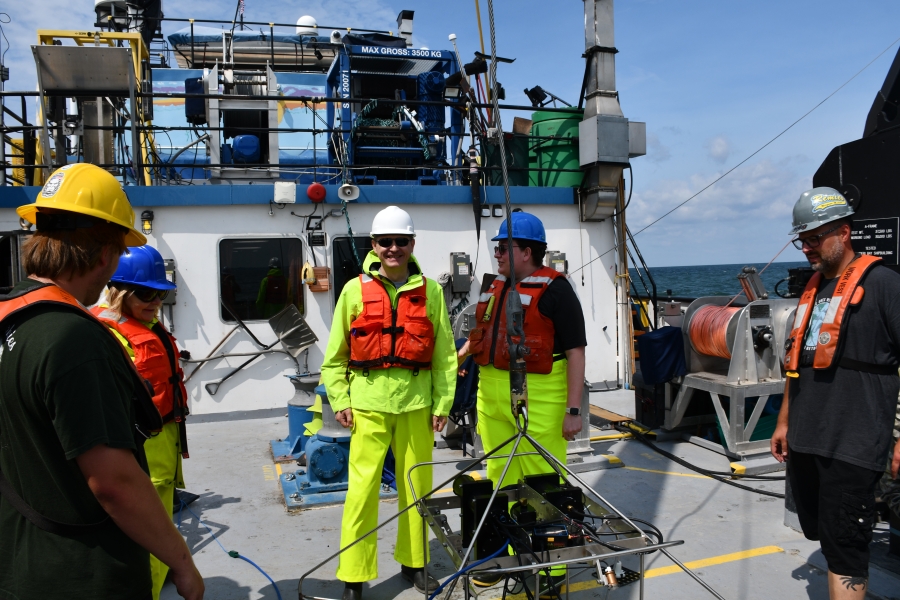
[
  {"x": 487, "y": 341},
  {"x": 847, "y": 292},
  {"x": 383, "y": 336},
  {"x": 148, "y": 418},
  {"x": 153, "y": 362}
]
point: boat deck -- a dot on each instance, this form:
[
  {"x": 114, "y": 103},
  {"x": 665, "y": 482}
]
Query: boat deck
[{"x": 735, "y": 540}]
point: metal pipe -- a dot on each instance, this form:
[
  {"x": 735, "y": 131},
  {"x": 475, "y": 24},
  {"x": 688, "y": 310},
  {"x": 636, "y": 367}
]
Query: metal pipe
[
  {"x": 213, "y": 351},
  {"x": 220, "y": 22}
]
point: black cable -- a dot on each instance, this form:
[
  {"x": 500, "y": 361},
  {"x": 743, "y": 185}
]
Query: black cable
[
  {"x": 779, "y": 294},
  {"x": 705, "y": 471},
  {"x": 710, "y": 474}
]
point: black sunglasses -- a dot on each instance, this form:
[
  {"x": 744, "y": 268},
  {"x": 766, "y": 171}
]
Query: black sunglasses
[
  {"x": 503, "y": 248},
  {"x": 386, "y": 242},
  {"x": 813, "y": 241},
  {"x": 145, "y": 294}
]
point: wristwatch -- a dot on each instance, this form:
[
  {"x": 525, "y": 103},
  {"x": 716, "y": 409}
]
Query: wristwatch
[{"x": 574, "y": 411}]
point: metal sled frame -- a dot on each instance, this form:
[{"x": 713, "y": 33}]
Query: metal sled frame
[{"x": 591, "y": 554}]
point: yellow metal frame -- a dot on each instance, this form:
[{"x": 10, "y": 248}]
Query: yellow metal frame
[{"x": 139, "y": 53}]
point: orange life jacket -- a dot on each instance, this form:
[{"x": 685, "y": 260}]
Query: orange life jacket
[
  {"x": 487, "y": 341},
  {"x": 383, "y": 336},
  {"x": 156, "y": 359},
  {"x": 148, "y": 419},
  {"x": 847, "y": 292}
]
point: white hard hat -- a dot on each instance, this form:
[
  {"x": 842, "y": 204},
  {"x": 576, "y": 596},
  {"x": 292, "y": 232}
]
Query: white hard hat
[{"x": 393, "y": 220}]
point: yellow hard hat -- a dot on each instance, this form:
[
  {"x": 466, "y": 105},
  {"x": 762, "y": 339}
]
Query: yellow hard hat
[{"x": 88, "y": 190}]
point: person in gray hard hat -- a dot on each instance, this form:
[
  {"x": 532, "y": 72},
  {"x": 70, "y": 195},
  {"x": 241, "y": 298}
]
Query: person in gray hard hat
[{"x": 842, "y": 357}]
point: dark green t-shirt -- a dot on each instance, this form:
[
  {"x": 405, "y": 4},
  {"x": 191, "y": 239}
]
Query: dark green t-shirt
[{"x": 64, "y": 388}]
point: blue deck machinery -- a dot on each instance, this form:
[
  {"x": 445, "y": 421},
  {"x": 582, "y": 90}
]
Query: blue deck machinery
[{"x": 400, "y": 144}]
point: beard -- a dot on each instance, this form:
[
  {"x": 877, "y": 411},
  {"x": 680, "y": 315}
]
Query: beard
[{"x": 829, "y": 259}]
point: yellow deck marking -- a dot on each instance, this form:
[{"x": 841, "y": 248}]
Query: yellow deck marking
[
  {"x": 611, "y": 436},
  {"x": 659, "y": 571},
  {"x": 666, "y": 472},
  {"x": 715, "y": 560},
  {"x": 278, "y": 469},
  {"x": 268, "y": 473}
]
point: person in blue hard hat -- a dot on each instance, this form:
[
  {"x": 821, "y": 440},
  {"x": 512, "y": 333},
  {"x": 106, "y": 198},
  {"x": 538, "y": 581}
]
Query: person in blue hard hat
[
  {"x": 555, "y": 337},
  {"x": 133, "y": 298}
]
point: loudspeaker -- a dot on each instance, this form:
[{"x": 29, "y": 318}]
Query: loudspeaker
[{"x": 348, "y": 192}]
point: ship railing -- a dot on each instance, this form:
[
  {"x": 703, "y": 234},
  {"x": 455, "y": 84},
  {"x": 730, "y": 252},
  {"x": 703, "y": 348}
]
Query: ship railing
[{"x": 20, "y": 135}]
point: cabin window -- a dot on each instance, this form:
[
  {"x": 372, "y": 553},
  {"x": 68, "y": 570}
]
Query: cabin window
[
  {"x": 258, "y": 277},
  {"x": 344, "y": 262}
]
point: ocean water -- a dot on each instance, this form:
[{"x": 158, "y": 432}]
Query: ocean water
[{"x": 712, "y": 280}]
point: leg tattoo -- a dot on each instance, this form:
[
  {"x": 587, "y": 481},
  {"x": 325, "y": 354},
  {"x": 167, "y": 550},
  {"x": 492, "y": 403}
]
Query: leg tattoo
[{"x": 854, "y": 583}]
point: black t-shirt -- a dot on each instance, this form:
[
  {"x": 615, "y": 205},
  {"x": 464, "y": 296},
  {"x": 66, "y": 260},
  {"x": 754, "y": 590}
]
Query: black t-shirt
[
  {"x": 560, "y": 304},
  {"x": 64, "y": 388},
  {"x": 843, "y": 413}
]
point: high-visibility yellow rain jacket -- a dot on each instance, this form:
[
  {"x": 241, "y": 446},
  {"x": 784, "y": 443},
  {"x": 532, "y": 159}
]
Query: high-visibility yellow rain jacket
[{"x": 394, "y": 390}]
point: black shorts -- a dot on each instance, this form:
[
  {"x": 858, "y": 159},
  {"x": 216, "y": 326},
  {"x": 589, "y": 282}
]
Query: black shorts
[{"x": 836, "y": 506}]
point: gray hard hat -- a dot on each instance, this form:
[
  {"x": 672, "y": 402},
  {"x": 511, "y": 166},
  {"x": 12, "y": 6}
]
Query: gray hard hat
[{"x": 819, "y": 206}]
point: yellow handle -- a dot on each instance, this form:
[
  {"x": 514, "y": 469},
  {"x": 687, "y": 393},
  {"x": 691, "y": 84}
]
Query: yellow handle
[{"x": 489, "y": 310}]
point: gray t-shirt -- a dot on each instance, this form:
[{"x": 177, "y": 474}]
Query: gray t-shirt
[{"x": 842, "y": 413}]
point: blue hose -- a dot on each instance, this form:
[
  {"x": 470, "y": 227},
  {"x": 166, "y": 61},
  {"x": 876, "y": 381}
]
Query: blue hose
[
  {"x": 231, "y": 553},
  {"x": 467, "y": 569}
]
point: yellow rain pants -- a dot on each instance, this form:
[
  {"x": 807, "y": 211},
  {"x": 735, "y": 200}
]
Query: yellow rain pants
[
  {"x": 411, "y": 437},
  {"x": 546, "y": 410},
  {"x": 164, "y": 459},
  {"x": 547, "y": 396}
]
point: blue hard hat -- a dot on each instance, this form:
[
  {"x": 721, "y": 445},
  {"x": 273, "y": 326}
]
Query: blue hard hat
[
  {"x": 525, "y": 227},
  {"x": 144, "y": 266}
]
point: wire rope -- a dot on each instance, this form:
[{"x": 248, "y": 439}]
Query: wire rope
[{"x": 708, "y": 329}]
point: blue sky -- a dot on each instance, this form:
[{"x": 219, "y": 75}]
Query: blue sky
[{"x": 713, "y": 80}]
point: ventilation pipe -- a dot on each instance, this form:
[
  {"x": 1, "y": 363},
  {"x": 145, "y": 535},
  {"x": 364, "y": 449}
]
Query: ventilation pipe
[
  {"x": 405, "y": 26},
  {"x": 607, "y": 140}
]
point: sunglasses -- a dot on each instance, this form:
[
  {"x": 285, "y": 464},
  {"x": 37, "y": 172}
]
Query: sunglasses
[
  {"x": 503, "y": 249},
  {"x": 145, "y": 294},
  {"x": 386, "y": 242},
  {"x": 813, "y": 241}
]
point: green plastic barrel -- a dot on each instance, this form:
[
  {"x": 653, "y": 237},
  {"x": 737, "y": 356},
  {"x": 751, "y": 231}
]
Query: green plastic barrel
[
  {"x": 560, "y": 153},
  {"x": 516, "y": 160}
]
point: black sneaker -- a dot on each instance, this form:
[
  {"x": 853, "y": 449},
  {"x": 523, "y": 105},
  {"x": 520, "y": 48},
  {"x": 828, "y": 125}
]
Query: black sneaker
[
  {"x": 352, "y": 590},
  {"x": 417, "y": 578}
]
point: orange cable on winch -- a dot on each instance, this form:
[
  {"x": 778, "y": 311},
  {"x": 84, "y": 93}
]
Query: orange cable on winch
[{"x": 708, "y": 330}]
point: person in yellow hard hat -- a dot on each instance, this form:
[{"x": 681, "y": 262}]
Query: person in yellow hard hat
[
  {"x": 80, "y": 515},
  {"x": 390, "y": 374}
]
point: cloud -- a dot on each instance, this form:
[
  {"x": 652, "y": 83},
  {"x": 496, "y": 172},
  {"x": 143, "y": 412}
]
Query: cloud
[
  {"x": 657, "y": 151},
  {"x": 719, "y": 148},
  {"x": 761, "y": 191}
]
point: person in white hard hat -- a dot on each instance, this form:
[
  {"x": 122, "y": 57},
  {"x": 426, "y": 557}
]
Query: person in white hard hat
[{"x": 390, "y": 373}]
